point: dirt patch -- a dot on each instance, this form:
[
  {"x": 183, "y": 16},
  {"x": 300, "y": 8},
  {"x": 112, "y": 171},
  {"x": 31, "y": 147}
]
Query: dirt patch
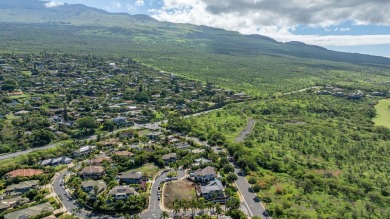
[{"x": 182, "y": 190}]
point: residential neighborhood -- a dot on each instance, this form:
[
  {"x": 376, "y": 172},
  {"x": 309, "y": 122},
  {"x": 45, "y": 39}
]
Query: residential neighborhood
[{"x": 120, "y": 143}]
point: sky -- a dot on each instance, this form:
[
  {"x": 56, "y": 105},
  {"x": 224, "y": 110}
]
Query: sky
[{"x": 361, "y": 26}]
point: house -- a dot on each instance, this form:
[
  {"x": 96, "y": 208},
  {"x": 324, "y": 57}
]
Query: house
[
  {"x": 201, "y": 161},
  {"x": 130, "y": 177},
  {"x": 198, "y": 151},
  {"x": 90, "y": 185},
  {"x": 30, "y": 212},
  {"x": 100, "y": 160},
  {"x": 12, "y": 202},
  {"x": 182, "y": 145},
  {"x": 154, "y": 135},
  {"x": 82, "y": 151},
  {"x": 356, "y": 96},
  {"x": 23, "y": 173},
  {"x": 92, "y": 172},
  {"x": 168, "y": 158},
  {"x": 205, "y": 175},
  {"x": 213, "y": 189},
  {"x": 21, "y": 188},
  {"x": 126, "y": 134},
  {"x": 120, "y": 120},
  {"x": 122, "y": 192},
  {"x": 123, "y": 154},
  {"x": 56, "y": 161}
]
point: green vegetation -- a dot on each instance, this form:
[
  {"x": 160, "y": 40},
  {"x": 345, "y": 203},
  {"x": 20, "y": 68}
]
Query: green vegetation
[
  {"x": 382, "y": 113},
  {"x": 313, "y": 156},
  {"x": 254, "y": 64}
]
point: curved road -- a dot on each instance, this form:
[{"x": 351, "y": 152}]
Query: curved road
[
  {"x": 247, "y": 131},
  {"x": 154, "y": 210}
]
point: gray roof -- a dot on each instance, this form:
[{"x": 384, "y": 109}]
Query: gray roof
[
  {"x": 169, "y": 156},
  {"x": 92, "y": 183},
  {"x": 122, "y": 190},
  {"x": 131, "y": 175},
  {"x": 22, "y": 185},
  {"x": 206, "y": 171},
  {"x": 214, "y": 185},
  {"x": 58, "y": 160},
  {"x": 29, "y": 212}
]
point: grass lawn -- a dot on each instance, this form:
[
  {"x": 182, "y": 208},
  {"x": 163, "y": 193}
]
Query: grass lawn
[
  {"x": 148, "y": 169},
  {"x": 144, "y": 132},
  {"x": 182, "y": 190},
  {"x": 383, "y": 113}
]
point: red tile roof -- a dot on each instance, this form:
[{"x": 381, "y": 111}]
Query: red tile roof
[{"x": 24, "y": 173}]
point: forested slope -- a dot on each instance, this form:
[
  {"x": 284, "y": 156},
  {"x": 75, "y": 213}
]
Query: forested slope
[{"x": 310, "y": 156}]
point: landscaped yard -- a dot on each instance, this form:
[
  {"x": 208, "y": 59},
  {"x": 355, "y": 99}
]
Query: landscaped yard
[
  {"x": 383, "y": 113},
  {"x": 148, "y": 169},
  {"x": 182, "y": 190}
]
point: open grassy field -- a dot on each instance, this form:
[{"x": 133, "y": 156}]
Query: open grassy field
[
  {"x": 182, "y": 190},
  {"x": 382, "y": 113}
]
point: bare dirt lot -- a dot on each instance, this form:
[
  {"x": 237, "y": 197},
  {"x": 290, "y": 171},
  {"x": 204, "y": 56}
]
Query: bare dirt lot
[{"x": 181, "y": 189}]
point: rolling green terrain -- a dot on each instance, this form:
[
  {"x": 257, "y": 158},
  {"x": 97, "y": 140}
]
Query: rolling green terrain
[
  {"x": 383, "y": 113},
  {"x": 309, "y": 156},
  {"x": 254, "y": 64}
]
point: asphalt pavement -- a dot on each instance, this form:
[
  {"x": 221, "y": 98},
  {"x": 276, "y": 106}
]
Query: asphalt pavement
[
  {"x": 253, "y": 207},
  {"x": 154, "y": 210}
]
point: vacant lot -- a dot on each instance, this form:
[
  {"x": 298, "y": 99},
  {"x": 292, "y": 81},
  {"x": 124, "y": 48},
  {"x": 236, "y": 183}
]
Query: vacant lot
[
  {"x": 383, "y": 113},
  {"x": 182, "y": 190}
]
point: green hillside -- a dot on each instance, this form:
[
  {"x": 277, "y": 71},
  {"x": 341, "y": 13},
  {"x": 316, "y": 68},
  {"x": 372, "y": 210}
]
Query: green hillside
[{"x": 254, "y": 64}]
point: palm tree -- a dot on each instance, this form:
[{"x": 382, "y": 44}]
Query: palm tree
[
  {"x": 185, "y": 206},
  {"x": 201, "y": 204},
  {"x": 176, "y": 206},
  {"x": 209, "y": 205},
  {"x": 218, "y": 209},
  {"x": 164, "y": 215},
  {"x": 194, "y": 206}
]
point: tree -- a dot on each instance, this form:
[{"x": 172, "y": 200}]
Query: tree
[
  {"x": 86, "y": 123},
  {"x": 194, "y": 206},
  {"x": 41, "y": 138},
  {"x": 218, "y": 209},
  {"x": 228, "y": 168},
  {"x": 233, "y": 203},
  {"x": 142, "y": 97},
  {"x": 9, "y": 85},
  {"x": 108, "y": 125},
  {"x": 164, "y": 215},
  {"x": 231, "y": 177}
]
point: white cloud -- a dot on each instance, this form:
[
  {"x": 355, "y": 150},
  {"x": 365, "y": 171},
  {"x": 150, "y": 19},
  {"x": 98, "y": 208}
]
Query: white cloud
[
  {"x": 139, "y": 3},
  {"x": 117, "y": 5},
  {"x": 277, "y": 19},
  {"x": 53, "y": 4},
  {"x": 130, "y": 8}
]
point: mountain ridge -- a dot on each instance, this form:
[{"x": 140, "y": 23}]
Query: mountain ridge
[{"x": 244, "y": 62}]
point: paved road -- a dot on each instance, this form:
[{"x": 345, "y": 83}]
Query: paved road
[
  {"x": 253, "y": 207},
  {"x": 247, "y": 131},
  {"x": 66, "y": 198},
  {"x": 154, "y": 125},
  {"x": 154, "y": 210}
]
